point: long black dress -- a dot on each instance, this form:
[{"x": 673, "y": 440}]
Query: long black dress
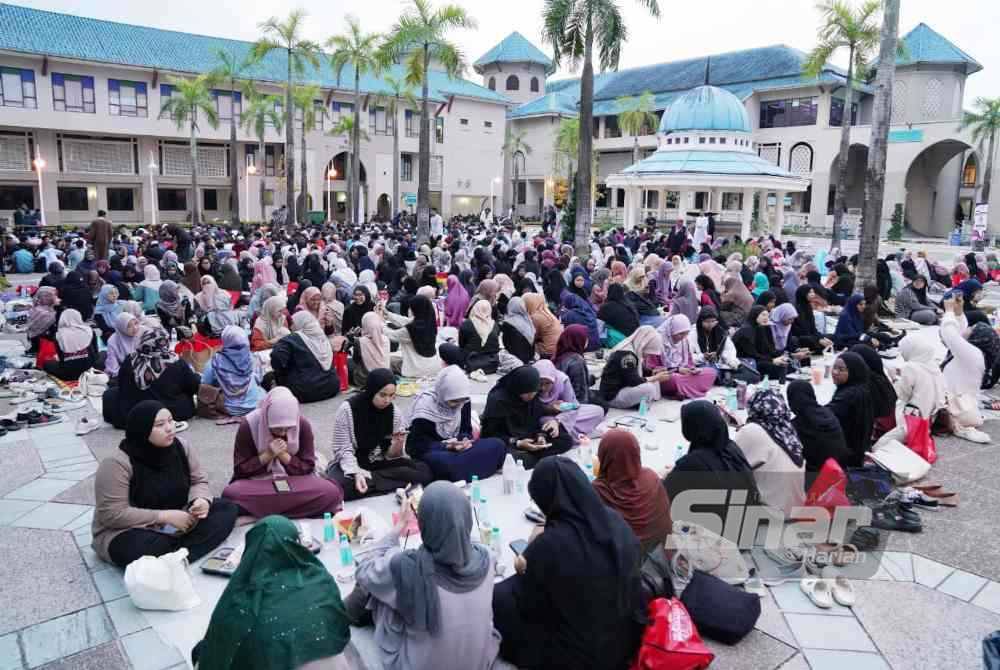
[
  {"x": 297, "y": 368},
  {"x": 479, "y": 355}
]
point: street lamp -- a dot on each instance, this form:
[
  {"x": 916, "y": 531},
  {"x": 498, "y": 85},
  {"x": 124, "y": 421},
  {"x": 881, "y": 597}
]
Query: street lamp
[
  {"x": 330, "y": 174},
  {"x": 39, "y": 166},
  {"x": 251, "y": 170},
  {"x": 154, "y": 201}
]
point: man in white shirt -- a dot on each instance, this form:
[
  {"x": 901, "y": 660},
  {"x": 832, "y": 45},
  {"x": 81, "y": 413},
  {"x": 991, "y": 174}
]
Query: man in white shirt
[{"x": 437, "y": 224}]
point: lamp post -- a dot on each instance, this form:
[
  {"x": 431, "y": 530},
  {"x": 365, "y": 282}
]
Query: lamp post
[
  {"x": 330, "y": 175},
  {"x": 153, "y": 200},
  {"x": 251, "y": 170},
  {"x": 39, "y": 166}
]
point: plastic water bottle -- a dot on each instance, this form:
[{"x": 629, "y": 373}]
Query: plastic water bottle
[
  {"x": 328, "y": 534},
  {"x": 509, "y": 475},
  {"x": 522, "y": 476},
  {"x": 484, "y": 514},
  {"x": 496, "y": 546},
  {"x": 679, "y": 452},
  {"x": 766, "y": 384},
  {"x": 476, "y": 494},
  {"x": 589, "y": 468},
  {"x": 731, "y": 402},
  {"x": 346, "y": 555},
  {"x": 643, "y": 406}
]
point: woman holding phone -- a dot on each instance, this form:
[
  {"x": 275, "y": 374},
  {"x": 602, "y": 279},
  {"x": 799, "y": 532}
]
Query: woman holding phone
[{"x": 369, "y": 443}]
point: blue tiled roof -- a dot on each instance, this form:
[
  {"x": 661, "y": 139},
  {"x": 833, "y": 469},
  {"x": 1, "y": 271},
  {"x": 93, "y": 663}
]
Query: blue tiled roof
[
  {"x": 515, "y": 48},
  {"x": 63, "y": 35},
  {"x": 706, "y": 108},
  {"x": 562, "y": 104},
  {"x": 696, "y": 161},
  {"x": 924, "y": 45}
]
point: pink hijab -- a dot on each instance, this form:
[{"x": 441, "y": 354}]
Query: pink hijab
[
  {"x": 263, "y": 273},
  {"x": 279, "y": 409},
  {"x": 456, "y": 303},
  {"x": 548, "y": 371}
]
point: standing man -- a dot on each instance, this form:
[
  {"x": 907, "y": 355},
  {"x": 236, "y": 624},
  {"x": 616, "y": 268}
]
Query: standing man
[
  {"x": 437, "y": 224},
  {"x": 100, "y": 235}
]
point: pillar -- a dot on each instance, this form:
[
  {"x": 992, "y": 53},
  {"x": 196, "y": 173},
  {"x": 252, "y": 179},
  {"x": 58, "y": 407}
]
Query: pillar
[
  {"x": 661, "y": 203},
  {"x": 779, "y": 213},
  {"x": 682, "y": 204},
  {"x": 747, "y": 214},
  {"x": 630, "y": 208}
]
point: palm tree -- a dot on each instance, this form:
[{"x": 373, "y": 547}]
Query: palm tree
[
  {"x": 396, "y": 96},
  {"x": 260, "y": 111},
  {"x": 345, "y": 126},
  {"x": 566, "y": 146},
  {"x": 358, "y": 50},
  {"x": 419, "y": 35},
  {"x": 985, "y": 124},
  {"x": 514, "y": 144},
  {"x": 857, "y": 31},
  {"x": 572, "y": 27},
  {"x": 229, "y": 69},
  {"x": 635, "y": 117},
  {"x": 304, "y": 98},
  {"x": 287, "y": 36},
  {"x": 191, "y": 97}
]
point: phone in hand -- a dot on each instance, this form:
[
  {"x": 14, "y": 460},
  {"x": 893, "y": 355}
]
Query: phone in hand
[
  {"x": 282, "y": 486},
  {"x": 518, "y": 547}
]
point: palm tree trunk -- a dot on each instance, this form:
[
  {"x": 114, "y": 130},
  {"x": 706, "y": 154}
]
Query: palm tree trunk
[
  {"x": 424, "y": 162},
  {"x": 395, "y": 157},
  {"x": 988, "y": 177},
  {"x": 355, "y": 184},
  {"x": 840, "y": 197},
  {"x": 289, "y": 145},
  {"x": 234, "y": 159},
  {"x": 196, "y": 210},
  {"x": 875, "y": 173},
  {"x": 581, "y": 238},
  {"x": 517, "y": 183},
  {"x": 303, "y": 215},
  {"x": 262, "y": 171}
]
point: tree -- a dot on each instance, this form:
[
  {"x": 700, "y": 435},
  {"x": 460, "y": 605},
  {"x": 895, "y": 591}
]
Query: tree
[
  {"x": 857, "y": 31},
  {"x": 260, "y": 110},
  {"x": 359, "y": 51},
  {"x": 345, "y": 126},
  {"x": 287, "y": 36},
  {"x": 514, "y": 144},
  {"x": 304, "y": 98},
  {"x": 189, "y": 98},
  {"x": 229, "y": 69},
  {"x": 572, "y": 27},
  {"x": 420, "y": 35},
  {"x": 871, "y": 225},
  {"x": 985, "y": 125},
  {"x": 396, "y": 96},
  {"x": 566, "y": 146},
  {"x": 635, "y": 116}
]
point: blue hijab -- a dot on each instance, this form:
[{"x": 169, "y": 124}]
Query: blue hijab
[
  {"x": 233, "y": 365},
  {"x": 851, "y": 324},
  {"x": 107, "y": 309},
  {"x": 576, "y": 310}
]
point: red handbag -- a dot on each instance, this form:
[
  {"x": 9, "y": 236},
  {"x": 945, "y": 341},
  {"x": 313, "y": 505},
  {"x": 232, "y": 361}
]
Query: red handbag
[
  {"x": 918, "y": 437},
  {"x": 829, "y": 491},
  {"x": 671, "y": 640},
  {"x": 340, "y": 365},
  {"x": 46, "y": 352}
]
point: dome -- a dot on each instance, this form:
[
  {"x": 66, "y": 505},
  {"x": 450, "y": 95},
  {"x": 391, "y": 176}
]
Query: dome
[{"x": 706, "y": 108}]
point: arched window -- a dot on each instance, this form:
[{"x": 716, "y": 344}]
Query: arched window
[
  {"x": 493, "y": 83},
  {"x": 534, "y": 84},
  {"x": 801, "y": 158},
  {"x": 970, "y": 173},
  {"x": 512, "y": 83}
]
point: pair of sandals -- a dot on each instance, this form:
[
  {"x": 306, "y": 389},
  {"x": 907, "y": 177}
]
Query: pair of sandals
[{"x": 832, "y": 587}]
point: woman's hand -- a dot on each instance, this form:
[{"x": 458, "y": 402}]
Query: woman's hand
[
  {"x": 799, "y": 355},
  {"x": 278, "y": 446},
  {"x": 659, "y": 377},
  {"x": 199, "y": 508},
  {"x": 177, "y": 518},
  {"x": 528, "y": 444},
  {"x": 520, "y": 565},
  {"x": 780, "y": 360},
  {"x": 551, "y": 427},
  {"x": 360, "y": 483},
  {"x": 826, "y": 343},
  {"x": 397, "y": 445}
]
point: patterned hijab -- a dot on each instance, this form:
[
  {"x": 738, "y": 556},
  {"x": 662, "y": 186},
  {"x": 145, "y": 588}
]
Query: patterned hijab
[
  {"x": 769, "y": 411},
  {"x": 151, "y": 357}
]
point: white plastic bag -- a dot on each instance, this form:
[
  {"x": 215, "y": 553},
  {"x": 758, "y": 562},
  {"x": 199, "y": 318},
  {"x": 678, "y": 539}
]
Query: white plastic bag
[
  {"x": 161, "y": 583},
  {"x": 905, "y": 465}
]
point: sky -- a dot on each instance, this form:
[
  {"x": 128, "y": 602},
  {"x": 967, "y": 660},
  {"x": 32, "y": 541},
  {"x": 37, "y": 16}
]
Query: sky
[{"x": 687, "y": 28}]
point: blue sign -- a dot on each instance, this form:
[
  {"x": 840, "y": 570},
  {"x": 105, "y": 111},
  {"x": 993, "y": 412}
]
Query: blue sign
[
  {"x": 899, "y": 136},
  {"x": 410, "y": 199}
]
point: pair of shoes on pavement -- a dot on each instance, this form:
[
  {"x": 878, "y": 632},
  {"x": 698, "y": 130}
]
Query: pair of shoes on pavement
[
  {"x": 971, "y": 434},
  {"x": 831, "y": 588}
]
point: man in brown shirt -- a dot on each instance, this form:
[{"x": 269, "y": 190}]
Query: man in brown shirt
[{"x": 100, "y": 235}]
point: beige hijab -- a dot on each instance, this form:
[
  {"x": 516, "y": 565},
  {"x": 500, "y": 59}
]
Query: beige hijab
[
  {"x": 373, "y": 343},
  {"x": 271, "y": 322},
  {"x": 307, "y": 328},
  {"x": 481, "y": 316}
]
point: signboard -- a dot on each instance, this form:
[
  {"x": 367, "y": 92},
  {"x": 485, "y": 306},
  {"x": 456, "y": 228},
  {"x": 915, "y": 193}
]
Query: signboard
[
  {"x": 898, "y": 136},
  {"x": 979, "y": 219},
  {"x": 410, "y": 199}
]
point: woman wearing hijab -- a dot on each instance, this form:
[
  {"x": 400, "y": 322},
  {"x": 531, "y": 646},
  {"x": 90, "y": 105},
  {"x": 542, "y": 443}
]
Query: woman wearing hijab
[
  {"x": 229, "y": 277},
  {"x": 622, "y": 384},
  {"x": 147, "y": 292},
  {"x": 556, "y": 393},
  {"x": 782, "y": 319},
  {"x": 106, "y": 310},
  {"x": 710, "y": 343},
  {"x": 804, "y": 328},
  {"x": 564, "y": 614},
  {"x": 214, "y": 307},
  {"x": 579, "y": 283},
  {"x": 773, "y": 449},
  {"x": 369, "y": 440},
  {"x": 192, "y": 278},
  {"x": 121, "y": 345},
  {"x": 441, "y": 433},
  {"x": 755, "y": 341},
  {"x": 839, "y": 284},
  {"x": 674, "y": 354},
  {"x": 518, "y": 331},
  {"x": 853, "y": 406},
  {"x": 912, "y": 303},
  {"x": 312, "y": 302},
  {"x": 457, "y": 302},
  {"x": 631, "y": 490},
  {"x": 599, "y": 288},
  {"x": 685, "y": 301},
  {"x": 736, "y": 301},
  {"x": 547, "y": 326},
  {"x": 515, "y": 414},
  {"x": 361, "y": 304},
  {"x": 431, "y": 606},
  {"x": 173, "y": 310},
  {"x": 417, "y": 339},
  {"x": 569, "y": 360},
  {"x": 275, "y": 442},
  {"x": 74, "y": 294},
  {"x": 882, "y": 393},
  {"x": 619, "y": 272},
  {"x": 43, "y": 317},
  {"x": 235, "y": 371},
  {"x": 303, "y": 361},
  {"x": 278, "y": 586},
  {"x": 760, "y": 284},
  {"x": 372, "y": 350},
  {"x": 489, "y": 291},
  {"x": 920, "y": 387},
  {"x": 271, "y": 324},
  {"x": 851, "y": 323},
  {"x": 818, "y": 429},
  {"x": 619, "y": 316},
  {"x": 263, "y": 273},
  {"x": 76, "y": 348},
  {"x": 479, "y": 338},
  {"x": 578, "y": 311},
  {"x": 155, "y": 480},
  {"x": 969, "y": 366}
]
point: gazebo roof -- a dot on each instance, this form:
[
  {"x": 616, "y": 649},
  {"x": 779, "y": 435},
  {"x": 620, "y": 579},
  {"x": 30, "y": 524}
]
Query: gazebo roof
[{"x": 708, "y": 167}]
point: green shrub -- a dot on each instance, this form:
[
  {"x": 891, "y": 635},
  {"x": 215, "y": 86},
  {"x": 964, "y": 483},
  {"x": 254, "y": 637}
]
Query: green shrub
[{"x": 896, "y": 229}]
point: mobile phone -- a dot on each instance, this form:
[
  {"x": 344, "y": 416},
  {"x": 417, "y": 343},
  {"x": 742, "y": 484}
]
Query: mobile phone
[
  {"x": 167, "y": 529},
  {"x": 282, "y": 486},
  {"x": 218, "y": 563},
  {"x": 518, "y": 547}
]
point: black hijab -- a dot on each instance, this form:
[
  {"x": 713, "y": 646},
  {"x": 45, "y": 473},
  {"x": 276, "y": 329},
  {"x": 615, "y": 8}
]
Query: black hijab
[
  {"x": 75, "y": 294},
  {"x": 617, "y": 312},
  {"x": 817, "y": 426},
  {"x": 805, "y": 321},
  {"x": 882, "y": 392},
  {"x": 714, "y": 341},
  {"x": 372, "y": 427},
  {"x": 293, "y": 302},
  {"x": 754, "y": 340},
  {"x": 622, "y": 370},
  {"x": 423, "y": 327},
  {"x": 161, "y": 476},
  {"x": 354, "y": 312},
  {"x": 852, "y": 405},
  {"x": 504, "y": 402},
  {"x": 555, "y": 284}
]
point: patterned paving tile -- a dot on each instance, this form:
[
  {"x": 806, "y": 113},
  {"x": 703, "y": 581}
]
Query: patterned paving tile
[
  {"x": 989, "y": 597},
  {"x": 66, "y": 635},
  {"x": 20, "y": 466},
  {"x": 51, "y": 516},
  {"x": 820, "y": 659},
  {"x": 126, "y": 617},
  {"x": 104, "y": 657},
  {"x": 816, "y": 631},
  {"x": 929, "y": 573},
  {"x": 110, "y": 584},
  {"x": 962, "y": 585}
]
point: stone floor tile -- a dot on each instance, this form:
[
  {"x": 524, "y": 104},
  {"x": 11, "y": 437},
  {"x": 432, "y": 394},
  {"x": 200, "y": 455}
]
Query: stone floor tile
[
  {"x": 822, "y": 659},
  {"x": 105, "y": 657},
  {"x": 10, "y": 653},
  {"x": 816, "y": 631},
  {"x": 66, "y": 635},
  {"x": 110, "y": 584},
  {"x": 20, "y": 466},
  {"x": 126, "y": 617},
  {"x": 790, "y": 598},
  {"x": 753, "y": 652},
  {"x": 12, "y": 510},
  {"x": 989, "y": 597},
  {"x": 69, "y": 463},
  {"x": 929, "y": 573},
  {"x": 962, "y": 585},
  {"x": 899, "y": 564},
  {"x": 81, "y": 521},
  {"x": 148, "y": 651},
  {"x": 64, "y": 452},
  {"x": 81, "y": 493},
  {"x": 75, "y": 475},
  {"x": 797, "y": 662},
  {"x": 64, "y": 427},
  {"x": 40, "y": 489},
  {"x": 91, "y": 558},
  {"x": 42, "y": 571},
  {"x": 772, "y": 621},
  {"x": 51, "y": 516}
]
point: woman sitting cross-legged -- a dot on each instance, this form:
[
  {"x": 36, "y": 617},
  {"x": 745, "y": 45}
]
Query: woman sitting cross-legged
[
  {"x": 279, "y": 586},
  {"x": 417, "y": 339},
  {"x": 372, "y": 349},
  {"x": 818, "y": 429},
  {"x": 852, "y": 405},
  {"x": 755, "y": 340},
  {"x": 479, "y": 338},
  {"x": 76, "y": 348},
  {"x": 575, "y": 601},
  {"x": 303, "y": 361},
  {"x": 569, "y": 360},
  {"x": 622, "y": 383},
  {"x": 431, "y": 606},
  {"x": 122, "y": 343},
  {"x": 106, "y": 310},
  {"x": 687, "y": 380},
  {"x": 441, "y": 430},
  {"x": 518, "y": 331},
  {"x": 515, "y": 414},
  {"x": 557, "y": 391},
  {"x": 235, "y": 371},
  {"x": 152, "y": 495},
  {"x": 173, "y": 309},
  {"x": 274, "y": 444},
  {"x": 270, "y": 325},
  {"x": 369, "y": 440}
]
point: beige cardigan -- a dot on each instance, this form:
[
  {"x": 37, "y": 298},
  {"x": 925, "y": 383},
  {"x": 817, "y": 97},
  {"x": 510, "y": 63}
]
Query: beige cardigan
[{"x": 113, "y": 515}]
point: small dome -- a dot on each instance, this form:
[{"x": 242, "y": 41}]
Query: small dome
[{"x": 706, "y": 108}]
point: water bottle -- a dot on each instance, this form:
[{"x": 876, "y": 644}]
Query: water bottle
[
  {"x": 766, "y": 384},
  {"x": 643, "y": 406},
  {"x": 328, "y": 535},
  {"x": 522, "y": 476},
  {"x": 589, "y": 467},
  {"x": 346, "y": 555},
  {"x": 476, "y": 496},
  {"x": 496, "y": 546},
  {"x": 509, "y": 475},
  {"x": 731, "y": 401},
  {"x": 484, "y": 514}
]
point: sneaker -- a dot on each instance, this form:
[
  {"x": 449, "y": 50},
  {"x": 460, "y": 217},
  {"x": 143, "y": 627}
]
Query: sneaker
[
  {"x": 972, "y": 435},
  {"x": 86, "y": 424},
  {"x": 892, "y": 516},
  {"x": 911, "y": 496}
]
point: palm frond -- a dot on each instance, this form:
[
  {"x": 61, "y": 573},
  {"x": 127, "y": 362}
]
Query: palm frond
[{"x": 610, "y": 33}]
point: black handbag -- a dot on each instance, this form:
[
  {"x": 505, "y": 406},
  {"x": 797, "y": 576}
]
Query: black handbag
[
  {"x": 656, "y": 577},
  {"x": 720, "y": 610}
]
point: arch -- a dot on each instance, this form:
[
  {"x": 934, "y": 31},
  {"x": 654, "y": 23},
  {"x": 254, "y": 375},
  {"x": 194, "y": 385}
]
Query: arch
[
  {"x": 857, "y": 163},
  {"x": 383, "y": 207},
  {"x": 931, "y": 188},
  {"x": 492, "y": 84},
  {"x": 800, "y": 159},
  {"x": 534, "y": 84},
  {"x": 970, "y": 171},
  {"x": 513, "y": 83},
  {"x": 341, "y": 162}
]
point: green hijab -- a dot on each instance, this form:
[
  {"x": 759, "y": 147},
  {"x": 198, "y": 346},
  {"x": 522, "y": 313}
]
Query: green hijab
[{"x": 280, "y": 610}]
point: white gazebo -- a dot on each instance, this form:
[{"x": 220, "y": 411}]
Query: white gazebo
[{"x": 705, "y": 146}]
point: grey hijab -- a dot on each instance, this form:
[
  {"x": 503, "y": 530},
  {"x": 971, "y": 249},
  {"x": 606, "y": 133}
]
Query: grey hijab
[
  {"x": 447, "y": 558},
  {"x": 517, "y": 316}
]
